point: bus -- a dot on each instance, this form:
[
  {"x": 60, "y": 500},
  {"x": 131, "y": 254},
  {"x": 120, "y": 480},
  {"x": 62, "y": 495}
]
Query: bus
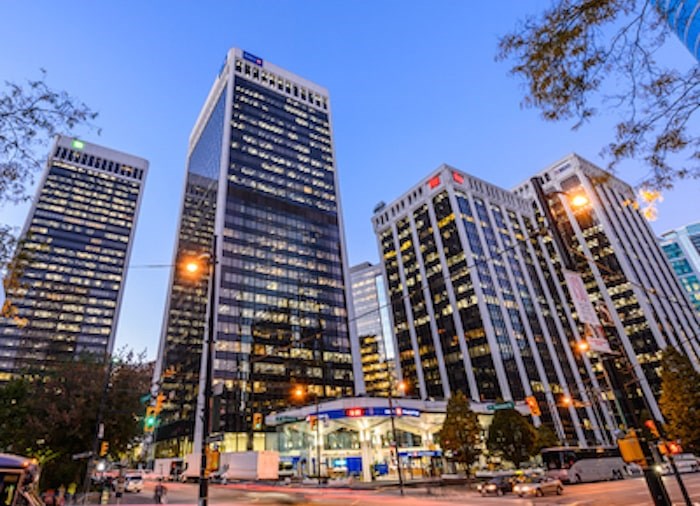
[
  {"x": 579, "y": 465},
  {"x": 19, "y": 479}
]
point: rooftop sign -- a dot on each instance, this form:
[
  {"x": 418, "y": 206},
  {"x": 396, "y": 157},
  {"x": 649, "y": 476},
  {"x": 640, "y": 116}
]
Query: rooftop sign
[{"x": 252, "y": 58}]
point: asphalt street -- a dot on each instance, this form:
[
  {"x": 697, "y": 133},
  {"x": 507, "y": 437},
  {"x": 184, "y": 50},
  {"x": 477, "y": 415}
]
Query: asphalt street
[{"x": 616, "y": 493}]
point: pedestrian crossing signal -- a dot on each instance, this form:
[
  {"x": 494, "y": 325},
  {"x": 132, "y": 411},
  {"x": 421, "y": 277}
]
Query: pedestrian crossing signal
[
  {"x": 104, "y": 448},
  {"x": 257, "y": 421},
  {"x": 532, "y": 404}
]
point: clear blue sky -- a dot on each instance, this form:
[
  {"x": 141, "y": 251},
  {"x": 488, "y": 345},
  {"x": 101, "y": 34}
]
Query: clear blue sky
[{"x": 412, "y": 84}]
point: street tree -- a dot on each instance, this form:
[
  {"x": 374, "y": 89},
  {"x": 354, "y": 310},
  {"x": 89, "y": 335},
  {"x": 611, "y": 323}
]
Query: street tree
[
  {"x": 59, "y": 412},
  {"x": 545, "y": 438},
  {"x": 680, "y": 398},
  {"x": 31, "y": 114},
  {"x": 511, "y": 436},
  {"x": 578, "y": 57},
  {"x": 461, "y": 432}
]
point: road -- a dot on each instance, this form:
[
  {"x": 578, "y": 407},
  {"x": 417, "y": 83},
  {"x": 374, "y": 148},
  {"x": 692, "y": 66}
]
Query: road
[{"x": 617, "y": 493}]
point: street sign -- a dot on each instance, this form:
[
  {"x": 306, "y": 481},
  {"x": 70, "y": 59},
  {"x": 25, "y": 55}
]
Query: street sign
[
  {"x": 84, "y": 455},
  {"x": 215, "y": 438},
  {"x": 501, "y": 405},
  {"x": 286, "y": 419}
]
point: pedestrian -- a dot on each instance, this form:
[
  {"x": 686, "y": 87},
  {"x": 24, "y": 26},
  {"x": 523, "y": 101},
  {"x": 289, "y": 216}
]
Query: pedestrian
[
  {"x": 49, "y": 497},
  {"x": 119, "y": 490},
  {"x": 70, "y": 492},
  {"x": 160, "y": 492},
  {"x": 61, "y": 498}
]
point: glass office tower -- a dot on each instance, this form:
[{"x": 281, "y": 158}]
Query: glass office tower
[
  {"x": 480, "y": 303},
  {"x": 260, "y": 175},
  {"x": 683, "y": 16},
  {"x": 682, "y": 248},
  {"x": 373, "y": 331},
  {"x": 72, "y": 258}
]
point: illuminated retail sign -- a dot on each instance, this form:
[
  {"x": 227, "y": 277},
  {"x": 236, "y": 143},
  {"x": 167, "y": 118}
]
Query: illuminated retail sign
[
  {"x": 459, "y": 178},
  {"x": 354, "y": 412},
  {"x": 77, "y": 144},
  {"x": 435, "y": 181},
  {"x": 252, "y": 58}
]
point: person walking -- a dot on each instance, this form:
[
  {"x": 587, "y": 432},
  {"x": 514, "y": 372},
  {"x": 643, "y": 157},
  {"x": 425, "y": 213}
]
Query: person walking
[
  {"x": 159, "y": 492},
  {"x": 119, "y": 490},
  {"x": 70, "y": 492}
]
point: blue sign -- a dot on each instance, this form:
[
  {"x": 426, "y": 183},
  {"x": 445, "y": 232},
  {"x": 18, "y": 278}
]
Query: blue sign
[{"x": 252, "y": 58}]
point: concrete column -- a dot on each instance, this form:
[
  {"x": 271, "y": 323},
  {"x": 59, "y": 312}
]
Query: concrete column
[{"x": 366, "y": 449}]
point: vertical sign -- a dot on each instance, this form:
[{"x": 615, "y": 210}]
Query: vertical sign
[{"x": 586, "y": 313}]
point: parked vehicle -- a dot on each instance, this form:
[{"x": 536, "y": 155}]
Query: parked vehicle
[
  {"x": 497, "y": 486},
  {"x": 259, "y": 465},
  {"x": 685, "y": 463},
  {"x": 133, "y": 482},
  {"x": 539, "y": 487}
]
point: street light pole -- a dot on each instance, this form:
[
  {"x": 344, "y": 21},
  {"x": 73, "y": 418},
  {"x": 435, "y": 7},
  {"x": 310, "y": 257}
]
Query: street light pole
[
  {"x": 318, "y": 441},
  {"x": 396, "y": 440},
  {"x": 203, "y": 476},
  {"x": 656, "y": 486}
]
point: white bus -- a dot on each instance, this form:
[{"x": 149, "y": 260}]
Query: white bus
[{"x": 578, "y": 465}]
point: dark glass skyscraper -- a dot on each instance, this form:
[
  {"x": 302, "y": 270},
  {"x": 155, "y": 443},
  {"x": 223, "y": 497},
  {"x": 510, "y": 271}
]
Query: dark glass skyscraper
[
  {"x": 72, "y": 258},
  {"x": 261, "y": 175}
]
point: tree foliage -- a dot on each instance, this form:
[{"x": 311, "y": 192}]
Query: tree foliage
[
  {"x": 511, "y": 436},
  {"x": 30, "y": 115},
  {"x": 680, "y": 399},
  {"x": 55, "y": 416},
  {"x": 580, "y": 54},
  {"x": 461, "y": 432},
  {"x": 545, "y": 438}
]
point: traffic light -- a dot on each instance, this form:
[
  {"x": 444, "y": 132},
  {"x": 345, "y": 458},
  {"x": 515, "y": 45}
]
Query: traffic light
[
  {"x": 532, "y": 404},
  {"x": 631, "y": 449},
  {"x": 257, "y": 421},
  {"x": 159, "y": 402},
  {"x": 651, "y": 426},
  {"x": 670, "y": 447},
  {"x": 104, "y": 448},
  {"x": 149, "y": 421}
]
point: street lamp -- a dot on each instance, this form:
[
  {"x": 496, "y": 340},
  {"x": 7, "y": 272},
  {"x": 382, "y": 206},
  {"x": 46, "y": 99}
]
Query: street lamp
[
  {"x": 401, "y": 387},
  {"x": 193, "y": 267},
  {"x": 300, "y": 393}
]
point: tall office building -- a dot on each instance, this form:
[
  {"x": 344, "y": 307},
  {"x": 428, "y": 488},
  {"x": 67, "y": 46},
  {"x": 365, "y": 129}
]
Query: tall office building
[
  {"x": 73, "y": 258},
  {"x": 373, "y": 331},
  {"x": 682, "y": 248},
  {"x": 683, "y": 16},
  {"x": 260, "y": 176},
  {"x": 480, "y": 303}
]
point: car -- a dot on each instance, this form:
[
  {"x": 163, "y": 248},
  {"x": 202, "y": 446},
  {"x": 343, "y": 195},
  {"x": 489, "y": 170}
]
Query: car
[
  {"x": 539, "y": 487},
  {"x": 498, "y": 486},
  {"x": 685, "y": 463},
  {"x": 133, "y": 482}
]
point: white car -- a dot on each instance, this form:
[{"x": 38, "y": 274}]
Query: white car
[
  {"x": 539, "y": 487},
  {"x": 685, "y": 463},
  {"x": 133, "y": 482}
]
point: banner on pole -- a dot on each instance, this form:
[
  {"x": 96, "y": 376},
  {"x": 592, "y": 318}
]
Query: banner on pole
[
  {"x": 595, "y": 336},
  {"x": 579, "y": 296}
]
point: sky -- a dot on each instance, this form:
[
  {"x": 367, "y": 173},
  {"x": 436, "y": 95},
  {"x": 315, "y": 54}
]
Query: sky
[{"x": 412, "y": 85}]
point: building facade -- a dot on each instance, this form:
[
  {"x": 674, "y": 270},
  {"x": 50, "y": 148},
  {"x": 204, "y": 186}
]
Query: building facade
[
  {"x": 682, "y": 248},
  {"x": 683, "y": 16},
  {"x": 480, "y": 303},
  {"x": 373, "y": 331},
  {"x": 72, "y": 259},
  {"x": 261, "y": 177}
]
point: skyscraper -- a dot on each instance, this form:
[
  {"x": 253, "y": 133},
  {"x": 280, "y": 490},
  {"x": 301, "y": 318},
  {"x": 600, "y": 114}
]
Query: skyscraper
[
  {"x": 373, "y": 330},
  {"x": 683, "y": 16},
  {"x": 480, "y": 302},
  {"x": 261, "y": 176},
  {"x": 73, "y": 257},
  {"x": 682, "y": 248}
]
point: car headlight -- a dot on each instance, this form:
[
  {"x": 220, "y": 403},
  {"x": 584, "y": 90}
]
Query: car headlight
[
  {"x": 491, "y": 487},
  {"x": 658, "y": 468},
  {"x": 524, "y": 488}
]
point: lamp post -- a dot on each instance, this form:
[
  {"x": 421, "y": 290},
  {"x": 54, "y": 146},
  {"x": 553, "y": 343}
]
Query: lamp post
[
  {"x": 299, "y": 393},
  {"x": 402, "y": 388},
  {"x": 192, "y": 268},
  {"x": 656, "y": 486}
]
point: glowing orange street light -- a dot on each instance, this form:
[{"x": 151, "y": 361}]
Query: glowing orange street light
[
  {"x": 579, "y": 200},
  {"x": 299, "y": 393},
  {"x": 583, "y": 346},
  {"x": 566, "y": 400},
  {"x": 402, "y": 387}
]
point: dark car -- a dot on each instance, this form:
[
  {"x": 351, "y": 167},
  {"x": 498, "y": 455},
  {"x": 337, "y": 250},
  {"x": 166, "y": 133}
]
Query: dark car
[{"x": 497, "y": 486}]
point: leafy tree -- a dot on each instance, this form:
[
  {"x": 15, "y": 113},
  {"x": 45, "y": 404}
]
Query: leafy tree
[
  {"x": 30, "y": 115},
  {"x": 59, "y": 412},
  {"x": 511, "y": 436},
  {"x": 545, "y": 438},
  {"x": 680, "y": 398},
  {"x": 570, "y": 53},
  {"x": 460, "y": 432}
]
